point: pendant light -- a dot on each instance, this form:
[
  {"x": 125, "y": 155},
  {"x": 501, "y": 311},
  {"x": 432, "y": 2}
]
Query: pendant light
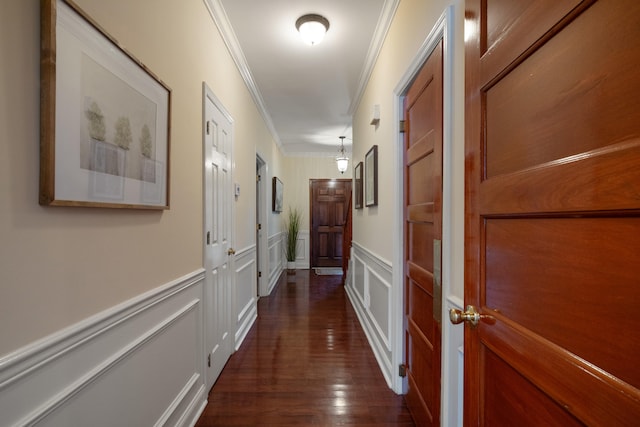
[{"x": 342, "y": 160}]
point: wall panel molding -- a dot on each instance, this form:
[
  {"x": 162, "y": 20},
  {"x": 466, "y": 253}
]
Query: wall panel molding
[
  {"x": 369, "y": 290},
  {"x": 276, "y": 259},
  {"x": 139, "y": 362},
  {"x": 303, "y": 252},
  {"x": 246, "y": 298}
]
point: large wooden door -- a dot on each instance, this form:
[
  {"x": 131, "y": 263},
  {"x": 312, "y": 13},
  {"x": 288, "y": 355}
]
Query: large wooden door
[
  {"x": 553, "y": 213},
  {"x": 217, "y": 211},
  {"x": 423, "y": 237},
  {"x": 329, "y": 202}
]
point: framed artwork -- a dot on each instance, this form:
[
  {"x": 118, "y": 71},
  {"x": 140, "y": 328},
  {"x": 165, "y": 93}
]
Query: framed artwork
[
  {"x": 104, "y": 118},
  {"x": 371, "y": 177},
  {"x": 357, "y": 186},
  {"x": 278, "y": 188}
]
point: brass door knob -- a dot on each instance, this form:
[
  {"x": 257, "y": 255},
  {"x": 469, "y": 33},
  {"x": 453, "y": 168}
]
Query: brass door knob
[
  {"x": 470, "y": 315},
  {"x": 231, "y": 251}
]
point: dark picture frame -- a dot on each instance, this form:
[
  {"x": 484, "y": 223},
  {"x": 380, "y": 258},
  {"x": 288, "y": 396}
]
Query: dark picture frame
[
  {"x": 109, "y": 145},
  {"x": 371, "y": 177},
  {"x": 277, "y": 194},
  {"x": 357, "y": 186}
]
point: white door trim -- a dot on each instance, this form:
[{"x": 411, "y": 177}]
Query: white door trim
[{"x": 447, "y": 28}]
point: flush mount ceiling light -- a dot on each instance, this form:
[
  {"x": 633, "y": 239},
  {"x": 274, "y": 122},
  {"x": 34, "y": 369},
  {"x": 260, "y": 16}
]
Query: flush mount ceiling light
[
  {"x": 312, "y": 28},
  {"x": 342, "y": 160}
]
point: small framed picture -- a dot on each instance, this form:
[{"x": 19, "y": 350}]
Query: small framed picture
[
  {"x": 277, "y": 194},
  {"x": 371, "y": 177},
  {"x": 357, "y": 186}
]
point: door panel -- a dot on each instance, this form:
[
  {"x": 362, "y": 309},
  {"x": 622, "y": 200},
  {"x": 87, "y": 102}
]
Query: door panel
[
  {"x": 506, "y": 390},
  {"x": 423, "y": 225},
  {"x": 562, "y": 92},
  {"x": 534, "y": 291},
  {"x": 329, "y": 201},
  {"x": 553, "y": 213}
]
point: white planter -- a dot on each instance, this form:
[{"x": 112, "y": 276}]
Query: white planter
[{"x": 291, "y": 267}]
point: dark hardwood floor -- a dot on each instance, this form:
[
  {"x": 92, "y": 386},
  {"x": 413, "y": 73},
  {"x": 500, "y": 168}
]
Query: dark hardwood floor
[{"x": 305, "y": 362}]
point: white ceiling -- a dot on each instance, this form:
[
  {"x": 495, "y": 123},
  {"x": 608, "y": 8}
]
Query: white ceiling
[{"x": 307, "y": 94}]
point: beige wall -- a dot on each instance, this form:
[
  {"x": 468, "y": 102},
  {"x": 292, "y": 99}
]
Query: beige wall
[
  {"x": 298, "y": 172},
  {"x": 61, "y": 265},
  {"x": 373, "y": 226}
]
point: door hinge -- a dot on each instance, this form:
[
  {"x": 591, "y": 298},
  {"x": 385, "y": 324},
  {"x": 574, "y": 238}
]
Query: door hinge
[
  {"x": 208, "y": 127},
  {"x": 208, "y": 237},
  {"x": 402, "y": 370},
  {"x": 209, "y": 360},
  {"x": 258, "y": 226},
  {"x": 259, "y": 273},
  {"x": 257, "y": 178},
  {"x": 402, "y": 126}
]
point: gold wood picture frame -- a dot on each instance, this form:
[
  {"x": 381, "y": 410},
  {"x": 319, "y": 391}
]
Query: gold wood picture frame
[{"x": 104, "y": 121}]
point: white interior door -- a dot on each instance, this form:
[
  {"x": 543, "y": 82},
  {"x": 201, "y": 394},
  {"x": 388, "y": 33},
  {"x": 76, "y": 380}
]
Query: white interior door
[
  {"x": 261, "y": 229},
  {"x": 217, "y": 206}
]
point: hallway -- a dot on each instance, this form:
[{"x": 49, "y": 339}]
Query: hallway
[{"x": 305, "y": 362}]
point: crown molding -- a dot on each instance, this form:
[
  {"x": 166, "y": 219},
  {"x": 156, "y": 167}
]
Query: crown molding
[
  {"x": 382, "y": 28},
  {"x": 220, "y": 19}
]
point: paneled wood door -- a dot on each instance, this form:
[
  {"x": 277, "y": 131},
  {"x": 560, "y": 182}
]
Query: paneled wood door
[
  {"x": 423, "y": 232},
  {"x": 553, "y": 213},
  {"x": 329, "y": 202}
]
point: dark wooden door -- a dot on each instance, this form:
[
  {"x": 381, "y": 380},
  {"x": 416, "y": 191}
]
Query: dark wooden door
[
  {"x": 553, "y": 213},
  {"x": 329, "y": 202},
  {"x": 423, "y": 233}
]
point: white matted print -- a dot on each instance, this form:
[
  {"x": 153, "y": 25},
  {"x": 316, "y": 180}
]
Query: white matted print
[{"x": 106, "y": 142}]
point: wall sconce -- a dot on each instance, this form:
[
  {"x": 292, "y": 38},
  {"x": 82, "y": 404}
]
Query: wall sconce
[
  {"x": 312, "y": 28},
  {"x": 342, "y": 160},
  {"x": 375, "y": 115}
]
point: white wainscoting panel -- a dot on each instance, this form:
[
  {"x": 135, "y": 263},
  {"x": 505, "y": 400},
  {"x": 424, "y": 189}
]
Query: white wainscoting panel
[
  {"x": 370, "y": 294},
  {"x": 276, "y": 259},
  {"x": 139, "y": 363},
  {"x": 303, "y": 251},
  {"x": 246, "y": 292}
]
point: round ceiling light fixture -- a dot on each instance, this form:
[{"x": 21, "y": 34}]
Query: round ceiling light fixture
[{"x": 312, "y": 28}]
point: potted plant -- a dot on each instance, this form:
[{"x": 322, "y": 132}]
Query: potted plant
[{"x": 292, "y": 227}]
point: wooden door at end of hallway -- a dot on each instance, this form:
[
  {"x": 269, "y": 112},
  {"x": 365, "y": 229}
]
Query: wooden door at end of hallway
[
  {"x": 423, "y": 236},
  {"x": 552, "y": 221},
  {"x": 329, "y": 201}
]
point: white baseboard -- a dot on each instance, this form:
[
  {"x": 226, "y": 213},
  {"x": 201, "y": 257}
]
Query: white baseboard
[{"x": 139, "y": 363}]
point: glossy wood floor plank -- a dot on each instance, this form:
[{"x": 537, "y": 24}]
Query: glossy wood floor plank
[{"x": 305, "y": 362}]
